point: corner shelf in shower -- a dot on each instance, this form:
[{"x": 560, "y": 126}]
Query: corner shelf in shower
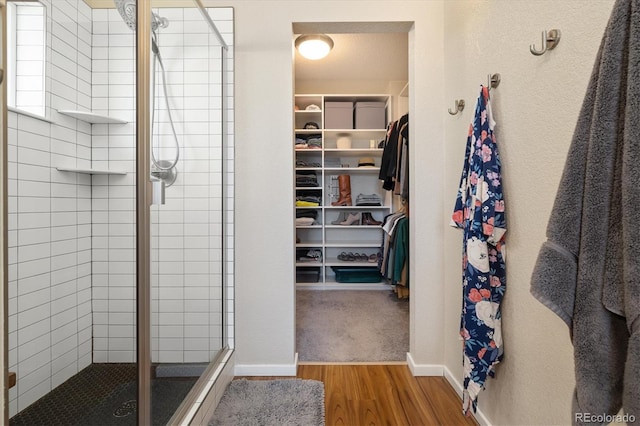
[
  {"x": 91, "y": 171},
  {"x": 92, "y": 118}
]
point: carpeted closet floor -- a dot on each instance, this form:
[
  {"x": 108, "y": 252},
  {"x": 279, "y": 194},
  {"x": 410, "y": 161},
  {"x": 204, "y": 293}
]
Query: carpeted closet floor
[{"x": 351, "y": 326}]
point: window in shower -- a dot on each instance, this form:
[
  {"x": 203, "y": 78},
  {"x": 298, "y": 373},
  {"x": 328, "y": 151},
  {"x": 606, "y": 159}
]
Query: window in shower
[{"x": 26, "y": 44}]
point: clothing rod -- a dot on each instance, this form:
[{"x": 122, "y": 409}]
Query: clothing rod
[{"x": 212, "y": 24}]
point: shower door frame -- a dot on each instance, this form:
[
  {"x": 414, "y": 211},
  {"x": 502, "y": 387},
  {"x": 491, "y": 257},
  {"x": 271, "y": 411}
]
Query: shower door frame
[
  {"x": 4, "y": 206},
  {"x": 143, "y": 210}
]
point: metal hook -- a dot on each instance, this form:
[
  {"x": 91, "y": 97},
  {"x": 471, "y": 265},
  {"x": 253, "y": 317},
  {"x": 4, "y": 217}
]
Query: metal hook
[
  {"x": 458, "y": 108},
  {"x": 549, "y": 41},
  {"x": 493, "y": 81}
]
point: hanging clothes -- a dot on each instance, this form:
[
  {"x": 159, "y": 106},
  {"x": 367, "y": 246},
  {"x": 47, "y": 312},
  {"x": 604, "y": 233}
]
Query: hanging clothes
[
  {"x": 479, "y": 212},
  {"x": 390, "y": 168},
  {"x": 387, "y": 248}
]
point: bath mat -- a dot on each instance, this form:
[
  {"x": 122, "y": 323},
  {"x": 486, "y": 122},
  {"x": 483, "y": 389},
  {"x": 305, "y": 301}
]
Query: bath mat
[{"x": 271, "y": 403}]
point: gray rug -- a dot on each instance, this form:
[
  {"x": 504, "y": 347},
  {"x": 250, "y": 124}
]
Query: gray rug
[
  {"x": 271, "y": 403},
  {"x": 351, "y": 326}
]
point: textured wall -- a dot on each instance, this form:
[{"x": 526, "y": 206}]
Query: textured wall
[{"x": 536, "y": 108}]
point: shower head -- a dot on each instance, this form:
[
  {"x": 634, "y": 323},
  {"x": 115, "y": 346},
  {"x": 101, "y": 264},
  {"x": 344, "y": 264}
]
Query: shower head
[{"x": 127, "y": 9}]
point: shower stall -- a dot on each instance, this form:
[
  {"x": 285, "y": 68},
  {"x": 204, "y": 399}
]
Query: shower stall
[{"x": 120, "y": 197}]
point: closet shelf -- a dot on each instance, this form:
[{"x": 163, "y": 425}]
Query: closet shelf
[
  {"x": 353, "y": 245},
  {"x": 358, "y": 208},
  {"x": 343, "y": 148},
  {"x": 353, "y": 169},
  {"x": 330, "y": 284},
  {"x": 355, "y": 263},
  {"x": 91, "y": 171},
  {"x": 355, "y": 151},
  {"x": 92, "y": 118}
]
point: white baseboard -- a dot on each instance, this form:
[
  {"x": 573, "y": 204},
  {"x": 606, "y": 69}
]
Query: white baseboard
[
  {"x": 267, "y": 369},
  {"x": 424, "y": 369},
  {"x": 455, "y": 383}
]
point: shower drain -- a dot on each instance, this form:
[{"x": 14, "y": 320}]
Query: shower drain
[{"x": 126, "y": 409}]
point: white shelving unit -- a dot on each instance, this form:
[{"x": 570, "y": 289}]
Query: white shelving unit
[{"x": 328, "y": 161}]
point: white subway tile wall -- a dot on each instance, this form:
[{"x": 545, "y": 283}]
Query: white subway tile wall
[
  {"x": 50, "y": 320},
  {"x": 72, "y": 236}
]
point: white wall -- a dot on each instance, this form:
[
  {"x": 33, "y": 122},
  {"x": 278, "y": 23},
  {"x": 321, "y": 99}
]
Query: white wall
[
  {"x": 264, "y": 298},
  {"x": 536, "y": 108}
]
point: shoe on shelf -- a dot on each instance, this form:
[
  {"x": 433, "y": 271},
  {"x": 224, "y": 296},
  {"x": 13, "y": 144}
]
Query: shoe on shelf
[
  {"x": 340, "y": 219},
  {"x": 361, "y": 257},
  {"x": 352, "y": 219},
  {"x": 367, "y": 219},
  {"x": 346, "y": 257}
]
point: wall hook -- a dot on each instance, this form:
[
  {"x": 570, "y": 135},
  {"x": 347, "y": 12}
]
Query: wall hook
[
  {"x": 493, "y": 81},
  {"x": 549, "y": 41},
  {"x": 458, "y": 108}
]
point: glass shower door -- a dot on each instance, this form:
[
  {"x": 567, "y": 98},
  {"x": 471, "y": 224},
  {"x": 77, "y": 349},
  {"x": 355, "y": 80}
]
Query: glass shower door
[
  {"x": 104, "y": 288},
  {"x": 187, "y": 252}
]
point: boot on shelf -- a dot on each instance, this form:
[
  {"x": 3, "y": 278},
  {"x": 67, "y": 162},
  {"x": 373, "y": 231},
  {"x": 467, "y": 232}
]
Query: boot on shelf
[
  {"x": 344, "y": 186},
  {"x": 367, "y": 219},
  {"x": 352, "y": 219},
  {"x": 341, "y": 218}
]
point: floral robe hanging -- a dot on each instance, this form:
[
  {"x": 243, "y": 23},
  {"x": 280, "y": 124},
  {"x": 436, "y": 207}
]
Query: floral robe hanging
[{"x": 479, "y": 211}]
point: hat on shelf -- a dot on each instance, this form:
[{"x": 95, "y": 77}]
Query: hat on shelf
[
  {"x": 311, "y": 125},
  {"x": 367, "y": 162},
  {"x": 312, "y": 107}
]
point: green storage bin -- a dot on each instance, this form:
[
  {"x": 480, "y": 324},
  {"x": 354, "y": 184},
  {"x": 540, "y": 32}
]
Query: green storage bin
[{"x": 355, "y": 274}]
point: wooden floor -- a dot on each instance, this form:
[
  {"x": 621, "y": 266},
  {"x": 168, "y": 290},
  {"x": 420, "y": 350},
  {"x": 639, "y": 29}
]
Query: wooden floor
[{"x": 358, "y": 395}]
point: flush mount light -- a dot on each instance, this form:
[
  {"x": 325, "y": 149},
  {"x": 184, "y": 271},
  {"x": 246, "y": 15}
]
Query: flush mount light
[{"x": 314, "y": 46}]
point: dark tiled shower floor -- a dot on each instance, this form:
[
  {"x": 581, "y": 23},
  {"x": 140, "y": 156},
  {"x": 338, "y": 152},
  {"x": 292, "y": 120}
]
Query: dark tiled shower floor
[{"x": 93, "y": 395}]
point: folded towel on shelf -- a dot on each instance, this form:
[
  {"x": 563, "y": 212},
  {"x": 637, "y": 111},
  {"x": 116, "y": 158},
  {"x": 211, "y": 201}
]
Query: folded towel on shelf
[
  {"x": 305, "y": 221},
  {"x": 306, "y": 179},
  {"x": 302, "y": 163},
  {"x": 307, "y": 213},
  {"x": 314, "y": 141},
  {"x": 368, "y": 200}
]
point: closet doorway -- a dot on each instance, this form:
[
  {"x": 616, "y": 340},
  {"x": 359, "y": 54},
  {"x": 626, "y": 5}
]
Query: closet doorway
[{"x": 350, "y": 306}]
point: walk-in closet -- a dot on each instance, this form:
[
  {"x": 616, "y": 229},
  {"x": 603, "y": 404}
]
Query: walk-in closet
[{"x": 351, "y": 195}]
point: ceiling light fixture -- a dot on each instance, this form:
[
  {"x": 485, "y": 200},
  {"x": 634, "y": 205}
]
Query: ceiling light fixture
[{"x": 314, "y": 46}]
